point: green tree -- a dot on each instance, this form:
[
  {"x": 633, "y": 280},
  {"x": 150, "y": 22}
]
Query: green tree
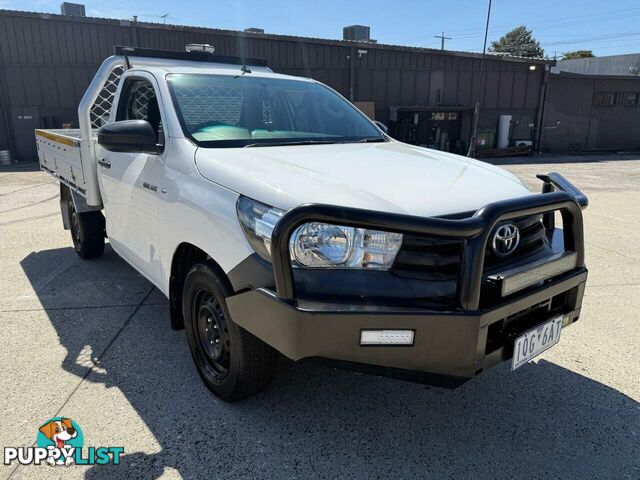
[
  {"x": 578, "y": 54},
  {"x": 518, "y": 42}
]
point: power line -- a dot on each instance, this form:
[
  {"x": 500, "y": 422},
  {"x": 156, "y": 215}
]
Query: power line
[
  {"x": 598, "y": 16},
  {"x": 586, "y": 39},
  {"x": 550, "y": 24},
  {"x": 500, "y": 32},
  {"x": 617, "y": 45}
]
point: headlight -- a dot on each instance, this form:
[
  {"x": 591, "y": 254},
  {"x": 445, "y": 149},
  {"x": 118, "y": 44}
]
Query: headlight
[
  {"x": 258, "y": 221},
  {"x": 319, "y": 245},
  {"x": 335, "y": 246}
]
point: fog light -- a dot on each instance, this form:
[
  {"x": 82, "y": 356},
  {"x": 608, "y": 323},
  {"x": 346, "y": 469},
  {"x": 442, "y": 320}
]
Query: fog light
[{"x": 386, "y": 337}]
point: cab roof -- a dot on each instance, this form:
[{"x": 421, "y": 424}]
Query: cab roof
[{"x": 181, "y": 67}]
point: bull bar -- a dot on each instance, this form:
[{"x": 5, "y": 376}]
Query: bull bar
[
  {"x": 453, "y": 343},
  {"x": 474, "y": 231}
]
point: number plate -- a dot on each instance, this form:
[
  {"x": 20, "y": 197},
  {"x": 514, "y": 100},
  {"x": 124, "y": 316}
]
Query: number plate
[{"x": 532, "y": 343}]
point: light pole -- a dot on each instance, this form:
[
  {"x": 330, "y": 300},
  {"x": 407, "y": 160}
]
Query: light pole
[{"x": 476, "y": 111}]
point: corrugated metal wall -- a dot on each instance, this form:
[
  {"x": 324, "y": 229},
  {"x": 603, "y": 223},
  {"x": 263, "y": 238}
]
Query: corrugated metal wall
[
  {"x": 585, "y": 124},
  {"x": 46, "y": 62}
]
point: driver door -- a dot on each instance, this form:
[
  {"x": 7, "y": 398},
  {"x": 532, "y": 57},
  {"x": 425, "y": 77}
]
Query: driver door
[{"x": 129, "y": 181}]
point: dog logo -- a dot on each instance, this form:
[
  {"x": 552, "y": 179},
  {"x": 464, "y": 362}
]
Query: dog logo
[
  {"x": 62, "y": 434},
  {"x": 60, "y": 441}
]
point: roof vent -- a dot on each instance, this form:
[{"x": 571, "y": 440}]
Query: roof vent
[{"x": 200, "y": 47}]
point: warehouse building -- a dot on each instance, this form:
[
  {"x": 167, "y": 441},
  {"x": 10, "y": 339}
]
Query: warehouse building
[
  {"x": 592, "y": 105},
  {"x": 425, "y": 96}
]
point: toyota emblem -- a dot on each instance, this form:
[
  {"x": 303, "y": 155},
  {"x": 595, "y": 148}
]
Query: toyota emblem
[{"x": 506, "y": 239}]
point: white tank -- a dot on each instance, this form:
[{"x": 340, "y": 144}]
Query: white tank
[{"x": 504, "y": 125}]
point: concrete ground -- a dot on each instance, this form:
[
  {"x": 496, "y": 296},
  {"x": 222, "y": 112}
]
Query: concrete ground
[{"x": 91, "y": 340}]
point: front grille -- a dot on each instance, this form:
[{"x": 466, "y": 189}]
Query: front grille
[{"x": 438, "y": 258}]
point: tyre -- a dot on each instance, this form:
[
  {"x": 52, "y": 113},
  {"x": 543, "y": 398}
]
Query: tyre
[
  {"x": 87, "y": 232},
  {"x": 232, "y": 362}
]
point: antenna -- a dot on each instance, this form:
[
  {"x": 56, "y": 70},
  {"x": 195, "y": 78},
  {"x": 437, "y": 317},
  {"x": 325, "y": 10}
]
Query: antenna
[
  {"x": 245, "y": 68},
  {"x": 164, "y": 17}
]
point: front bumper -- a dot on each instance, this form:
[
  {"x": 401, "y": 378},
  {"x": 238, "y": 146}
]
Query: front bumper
[
  {"x": 457, "y": 344},
  {"x": 460, "y": 342}
]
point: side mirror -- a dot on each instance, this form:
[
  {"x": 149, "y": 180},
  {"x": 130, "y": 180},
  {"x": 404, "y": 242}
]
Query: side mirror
[
  {"x": 128, "y": 136},
  {"x": 381, "y": 126}
]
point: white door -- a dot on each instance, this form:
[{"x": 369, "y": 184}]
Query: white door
[{"x": 130, "y": 182}]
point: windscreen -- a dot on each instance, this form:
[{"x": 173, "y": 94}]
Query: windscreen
[{"x": 242, "y": 110}]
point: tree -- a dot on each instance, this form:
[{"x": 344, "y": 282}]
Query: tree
[
  {"x": 518, "y": 42},
  {"x": 578, "y": 54}
]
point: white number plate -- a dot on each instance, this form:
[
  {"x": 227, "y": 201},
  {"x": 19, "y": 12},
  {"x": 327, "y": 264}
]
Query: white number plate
[{"x": 532, "y": 343}]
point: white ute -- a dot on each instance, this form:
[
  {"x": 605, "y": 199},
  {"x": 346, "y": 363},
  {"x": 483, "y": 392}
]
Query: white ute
[{"x": 278, "y": 219}]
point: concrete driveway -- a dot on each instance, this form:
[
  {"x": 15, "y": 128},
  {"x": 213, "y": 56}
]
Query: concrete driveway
[{"x": 91, "y": 340}]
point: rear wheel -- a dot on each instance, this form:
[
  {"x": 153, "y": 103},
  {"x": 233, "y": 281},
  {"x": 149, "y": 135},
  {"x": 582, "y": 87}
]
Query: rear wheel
[
  {"x": 87, "y": 232},
  {"x": 233, "y": 363}
]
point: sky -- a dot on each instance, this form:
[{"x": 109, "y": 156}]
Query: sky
[{"x": 607, "y": 28}]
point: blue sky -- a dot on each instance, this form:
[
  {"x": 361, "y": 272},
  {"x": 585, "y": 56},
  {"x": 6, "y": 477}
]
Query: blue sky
[{"x": 607, "y": 28}]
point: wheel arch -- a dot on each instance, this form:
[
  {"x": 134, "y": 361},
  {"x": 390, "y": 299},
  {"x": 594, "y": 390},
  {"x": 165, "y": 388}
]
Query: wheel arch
[{"x": 185, "y": 256}]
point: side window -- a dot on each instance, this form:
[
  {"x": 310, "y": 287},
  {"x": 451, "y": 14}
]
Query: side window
[{"x": 139, "y": 102}]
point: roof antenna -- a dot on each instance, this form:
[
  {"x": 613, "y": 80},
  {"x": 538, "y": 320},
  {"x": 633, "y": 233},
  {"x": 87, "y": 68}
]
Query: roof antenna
[{"x": 245, "y": 68}]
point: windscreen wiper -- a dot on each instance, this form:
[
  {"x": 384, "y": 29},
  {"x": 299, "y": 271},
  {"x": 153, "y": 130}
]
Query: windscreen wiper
[
  {"x": 294, "y": 142},
  {"x": 369, "y": 140}
]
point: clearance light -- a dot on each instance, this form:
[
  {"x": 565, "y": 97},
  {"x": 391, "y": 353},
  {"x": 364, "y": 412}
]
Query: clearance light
[{"x": 386, "y": 337}]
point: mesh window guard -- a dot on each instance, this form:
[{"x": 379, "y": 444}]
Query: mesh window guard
[{"x": 101, "y": 108}]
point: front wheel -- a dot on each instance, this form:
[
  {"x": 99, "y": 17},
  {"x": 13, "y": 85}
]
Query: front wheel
[
  {"x": 232, "y": 362},
  {"x": 87, "y": 232}
]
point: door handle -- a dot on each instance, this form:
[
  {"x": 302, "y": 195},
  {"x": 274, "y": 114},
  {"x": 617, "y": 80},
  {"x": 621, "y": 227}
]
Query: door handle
[{"x": 103, "y": 162}]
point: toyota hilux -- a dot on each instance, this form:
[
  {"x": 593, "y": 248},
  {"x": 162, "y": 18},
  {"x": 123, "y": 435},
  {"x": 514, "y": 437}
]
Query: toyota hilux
[{"x": 279, "y": 220}]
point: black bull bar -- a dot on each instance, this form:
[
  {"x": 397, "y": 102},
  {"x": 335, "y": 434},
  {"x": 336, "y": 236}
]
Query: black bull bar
[{"x": 558, "y": 194}]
